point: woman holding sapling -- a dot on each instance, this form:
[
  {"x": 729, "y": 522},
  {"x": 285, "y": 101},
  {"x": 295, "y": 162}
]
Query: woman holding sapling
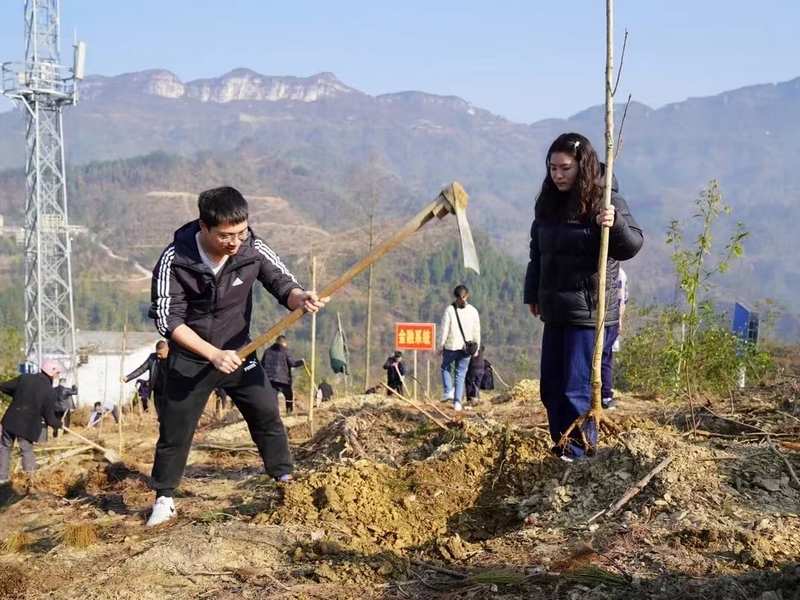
[{"x": 561, "y": 282}]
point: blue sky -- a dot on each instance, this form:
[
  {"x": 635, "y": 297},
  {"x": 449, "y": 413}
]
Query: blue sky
[{"x": 522, "y": 59}]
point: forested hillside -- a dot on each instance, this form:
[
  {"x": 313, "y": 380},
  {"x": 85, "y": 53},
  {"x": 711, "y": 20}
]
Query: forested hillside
[{"x": 243, "y": 128}]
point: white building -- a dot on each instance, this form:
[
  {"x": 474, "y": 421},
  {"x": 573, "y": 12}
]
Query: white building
[{"x": 98, "y": 378}]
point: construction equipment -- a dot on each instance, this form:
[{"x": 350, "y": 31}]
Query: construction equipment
[{"x": 451, "y": 200}]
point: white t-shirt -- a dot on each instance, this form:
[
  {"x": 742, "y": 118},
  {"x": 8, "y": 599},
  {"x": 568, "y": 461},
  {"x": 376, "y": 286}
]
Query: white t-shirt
[
  {"x": 215, "y": 267},
  {"x": 622, "y": 288},
  {"x": 622, "y": 299}
]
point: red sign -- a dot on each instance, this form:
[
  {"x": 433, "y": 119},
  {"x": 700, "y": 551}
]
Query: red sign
[{"x": 415, "y": 336}]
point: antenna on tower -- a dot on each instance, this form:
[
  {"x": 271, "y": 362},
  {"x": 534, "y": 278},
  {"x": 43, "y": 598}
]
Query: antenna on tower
[
  {"x": 80, "y": 57},
  {"x": 40, "y": 87}
]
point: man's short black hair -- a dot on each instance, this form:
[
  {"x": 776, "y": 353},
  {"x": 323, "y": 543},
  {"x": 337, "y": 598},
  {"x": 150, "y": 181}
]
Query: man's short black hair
[
  {"x": 281, "y": 338},
  {"x": 222, "y": 206},
  {"x": 161, "y": 343},
  {"x": 96, "y": 404},
  {"x": 397, "y": 354},
  {"x": 460, "y": 291}
]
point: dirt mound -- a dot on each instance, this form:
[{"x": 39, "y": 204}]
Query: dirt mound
[
  {"x": 383, "y": 498},
  {"x": 524, "y": 391},
  {"x": 388, "y": 435},
  {"x": 486, "y": 480},
  {"x": 14, "y": 581},
  {"x": 382, "y": 507}
]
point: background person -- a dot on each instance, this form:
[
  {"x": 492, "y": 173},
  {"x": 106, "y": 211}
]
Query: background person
[
  {"x": 33, "y": 400},
  {"x": 458, "y": 340}
]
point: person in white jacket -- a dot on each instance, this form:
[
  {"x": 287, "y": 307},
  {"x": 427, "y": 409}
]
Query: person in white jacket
[{"x": 453, "y": 344}]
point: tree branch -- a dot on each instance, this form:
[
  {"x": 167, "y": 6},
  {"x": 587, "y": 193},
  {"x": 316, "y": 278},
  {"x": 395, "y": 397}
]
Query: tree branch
[
  {"x": 786, "y": 462},
  {"x": 621, "y": 62},
  {"x": 621, "y": 125},
  {"x": 632, "y": 491}
]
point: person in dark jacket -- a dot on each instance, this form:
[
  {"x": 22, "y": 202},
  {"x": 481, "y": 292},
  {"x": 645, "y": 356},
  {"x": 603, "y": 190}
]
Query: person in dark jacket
[
  {"x": 202, "y": 300},
  {"x": 278, "y": 363},
  {"x": 222, "y": 396},
  {"x": 477, "y": 365},
  {"x": 33, "y": 399},
  {"x": 395, "y": 371},
  {"x": 487, "y": 381},
  {"x": 65, "y": 403},
  {"x": 156, "y": 367},
  {"x": 326, "y": 390},
  {"x": 143, "y": 391},
  {"x": 561, "y": 280}
]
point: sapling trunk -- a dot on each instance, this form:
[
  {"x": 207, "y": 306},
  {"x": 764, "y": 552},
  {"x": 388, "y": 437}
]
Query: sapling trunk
[
  {"x": 597, "y": 359},
  {"x": 596, "y": 414}
]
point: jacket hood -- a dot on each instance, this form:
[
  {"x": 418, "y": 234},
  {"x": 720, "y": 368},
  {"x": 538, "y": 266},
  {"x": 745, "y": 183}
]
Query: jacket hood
[
  {"x": 614, "y": 182},
  {"x": 185, "y": 234}
]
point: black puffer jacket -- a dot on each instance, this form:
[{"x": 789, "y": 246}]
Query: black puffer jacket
[
  {"x": 33, "y": 398},
  {"x": 562, "y": 272}
]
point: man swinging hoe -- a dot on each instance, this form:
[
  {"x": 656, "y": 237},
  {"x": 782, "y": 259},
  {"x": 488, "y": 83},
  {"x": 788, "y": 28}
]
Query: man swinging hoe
[{"x": 202, "y": 301}]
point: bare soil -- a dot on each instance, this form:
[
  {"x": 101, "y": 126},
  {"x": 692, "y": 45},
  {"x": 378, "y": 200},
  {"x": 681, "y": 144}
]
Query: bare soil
[{"x": 388, "y": 505}]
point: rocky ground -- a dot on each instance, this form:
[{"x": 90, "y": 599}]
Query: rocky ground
[{"x": 389, "y": 504}]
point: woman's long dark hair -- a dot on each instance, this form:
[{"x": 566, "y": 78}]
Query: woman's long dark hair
[{"x": 586, "y": 193}]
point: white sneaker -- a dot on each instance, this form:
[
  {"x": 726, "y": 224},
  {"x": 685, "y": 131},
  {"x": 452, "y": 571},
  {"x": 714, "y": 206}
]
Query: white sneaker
[
  {"x": 447, "y": 398},
  {"x": 457, "y": 406},
  {"x": 163, "y": 511},
  {"x": 609, "y": 404}
]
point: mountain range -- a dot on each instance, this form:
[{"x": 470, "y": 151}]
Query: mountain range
[{"x": 140, "y": 145}]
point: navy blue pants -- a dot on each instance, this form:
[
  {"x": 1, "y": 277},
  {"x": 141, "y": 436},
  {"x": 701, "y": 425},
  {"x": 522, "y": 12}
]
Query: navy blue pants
[
  {"x": 607, "y": 370},
  {"x": 565, "y": 381}
]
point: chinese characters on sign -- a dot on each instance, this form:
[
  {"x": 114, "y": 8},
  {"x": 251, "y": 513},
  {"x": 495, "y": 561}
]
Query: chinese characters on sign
[{"x": 415, "y": 336}]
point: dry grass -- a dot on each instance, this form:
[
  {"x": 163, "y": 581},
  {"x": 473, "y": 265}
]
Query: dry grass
[
  {"x": 80, "y": 416},
  {"x": 17, "y": 542},
  {"x": 501, "y": 576},
  {"x": 594, "y": 575},
  {"x": 79, "y": 535},
  {"x": 57, "y": 480}
]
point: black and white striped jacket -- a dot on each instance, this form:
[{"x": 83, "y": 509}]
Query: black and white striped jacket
[{"x": 185, "y": 291}]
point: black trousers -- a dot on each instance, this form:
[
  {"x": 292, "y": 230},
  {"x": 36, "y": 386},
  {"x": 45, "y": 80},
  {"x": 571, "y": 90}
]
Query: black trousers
[
  {"x": 158, "y": 400},
  {"x": 288, "y": 394},
  {"x": 65, "y": 417},
  {"x": 145, "y": 400},
  {"x": 473, "y": 383},
  {"x": 396, "y": 385},
  {"x": 188, "y": 385},
  {"x": 223, "y": 398}
]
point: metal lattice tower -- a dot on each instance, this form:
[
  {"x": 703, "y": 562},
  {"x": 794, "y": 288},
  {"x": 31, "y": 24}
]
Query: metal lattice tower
[{"x": 40, "y": 87}]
